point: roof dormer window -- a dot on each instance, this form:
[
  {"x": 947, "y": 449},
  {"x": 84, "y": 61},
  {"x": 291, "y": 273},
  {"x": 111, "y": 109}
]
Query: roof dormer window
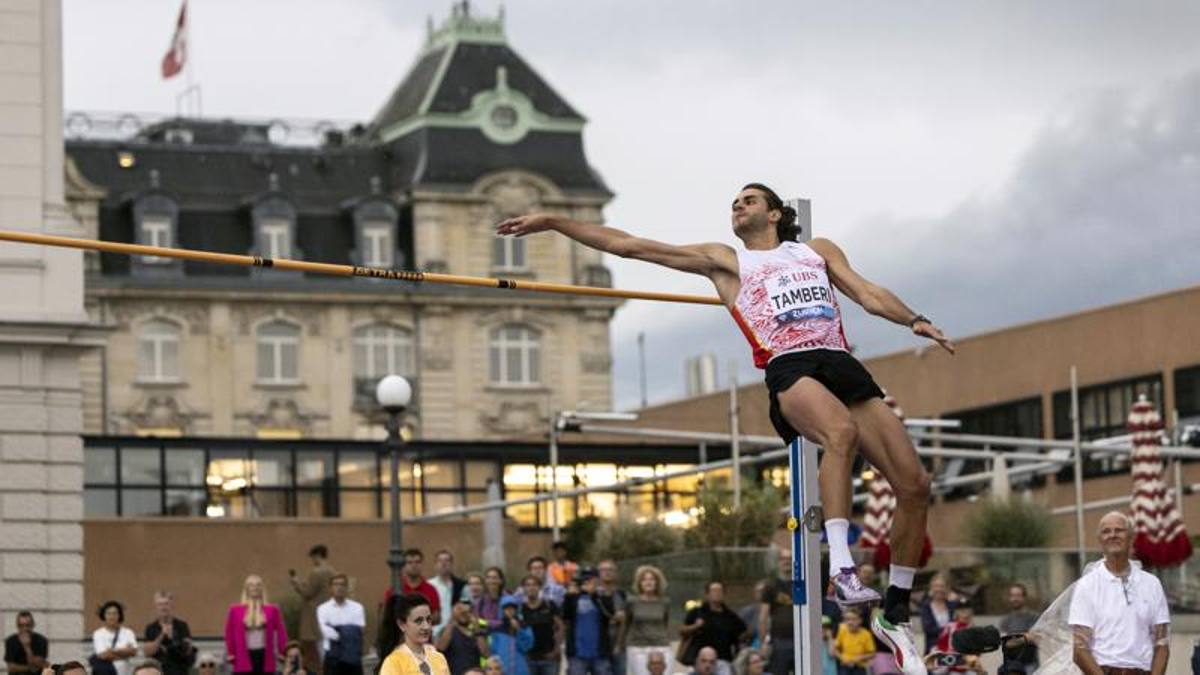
[
  {"x": 274, "y": 220},
  {"x": 156, "y": 223},
  {"x": 276, "y": 234}
]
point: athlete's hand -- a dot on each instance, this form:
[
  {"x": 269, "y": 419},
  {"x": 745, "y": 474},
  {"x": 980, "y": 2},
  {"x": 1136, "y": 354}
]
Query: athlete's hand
[
  {"x": 928, "y": 330},
  {"x": 523, "y": 225}
]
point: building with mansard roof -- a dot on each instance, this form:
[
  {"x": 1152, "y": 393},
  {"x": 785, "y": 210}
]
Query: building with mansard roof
[{"x": 472, "y": 134}]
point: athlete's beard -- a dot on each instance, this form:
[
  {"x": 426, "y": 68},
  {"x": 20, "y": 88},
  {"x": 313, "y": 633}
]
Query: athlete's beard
[{"x": 753, "y": 224}]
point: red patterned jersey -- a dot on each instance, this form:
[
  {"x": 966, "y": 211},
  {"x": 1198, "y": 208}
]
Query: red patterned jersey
[{"x": 786, "y": 303}]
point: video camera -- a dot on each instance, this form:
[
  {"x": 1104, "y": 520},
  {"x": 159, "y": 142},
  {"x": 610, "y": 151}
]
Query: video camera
[{"x": 977, "y": 640}]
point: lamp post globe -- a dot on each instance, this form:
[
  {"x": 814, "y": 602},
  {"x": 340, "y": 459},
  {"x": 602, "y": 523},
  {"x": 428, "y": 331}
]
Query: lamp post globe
[{"x": 393, "y": 393}]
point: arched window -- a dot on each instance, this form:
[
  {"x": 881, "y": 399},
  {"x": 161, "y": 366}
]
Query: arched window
[
  {"x": 515, "y": 355},
  {"x": 380, "y": 349},
  {"x": 278, "y": 353},
  {"x": 158, "y": 351}
]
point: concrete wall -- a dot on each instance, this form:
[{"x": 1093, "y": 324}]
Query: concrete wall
[
  {"x": 204, "y": 561},
  {"x": 42, "y": 333}
]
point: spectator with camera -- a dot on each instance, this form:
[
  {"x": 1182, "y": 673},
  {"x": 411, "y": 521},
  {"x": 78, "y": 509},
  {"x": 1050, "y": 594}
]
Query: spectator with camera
[{"x": 464, "y": 640}]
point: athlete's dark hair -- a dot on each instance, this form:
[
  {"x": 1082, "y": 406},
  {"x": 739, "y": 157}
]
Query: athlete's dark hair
[{"x": 786, "y": 228}]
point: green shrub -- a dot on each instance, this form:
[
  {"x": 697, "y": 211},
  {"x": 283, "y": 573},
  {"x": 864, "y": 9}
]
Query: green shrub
[
  {"x": 580, "y": 535},
  {"x": 719, "y": 524},
  {"x": 624, "y": 537},
  {"x": 1011, "y": 523}
]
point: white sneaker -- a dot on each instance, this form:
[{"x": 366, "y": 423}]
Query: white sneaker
[{"x": 899, "y": 638}]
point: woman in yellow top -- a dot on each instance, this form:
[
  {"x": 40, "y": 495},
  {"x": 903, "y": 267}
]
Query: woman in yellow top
[{"x": 405, "y": 637}]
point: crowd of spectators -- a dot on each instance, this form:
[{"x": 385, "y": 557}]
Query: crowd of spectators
[{"x": 558, "y": 617}]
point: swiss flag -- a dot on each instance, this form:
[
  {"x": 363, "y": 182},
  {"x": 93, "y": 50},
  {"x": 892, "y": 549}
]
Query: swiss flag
[{"x": 173, "y": 61}]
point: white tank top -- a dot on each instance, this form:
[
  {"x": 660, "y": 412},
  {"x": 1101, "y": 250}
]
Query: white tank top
[{"x": 786, "y": 303}]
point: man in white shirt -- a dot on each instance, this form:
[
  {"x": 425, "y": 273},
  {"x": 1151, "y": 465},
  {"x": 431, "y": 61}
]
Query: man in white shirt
[
  {"x": 341, "y": 621},
  {"x": 449, "y": 587},
  {"x": 1118, "y": 611}
]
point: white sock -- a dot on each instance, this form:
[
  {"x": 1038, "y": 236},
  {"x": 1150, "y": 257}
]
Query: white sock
[
  {"x": 837, "y": 532},
  {"x": 901, "y": 577}
]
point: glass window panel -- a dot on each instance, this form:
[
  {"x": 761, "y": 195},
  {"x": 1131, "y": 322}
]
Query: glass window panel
[
  {"x": 379, "y": 358},
  {"x": 513, "y": 358},
  {"x": 524, "y": 514},
  {"x": 406, "y": 475},
  {"x": 266, "y": 361},
  {"x": 99, "y": 502},
  {"x": 315, "y": 503},
  {"x": 479, "y": 473},
  {"x": 135, "y": 502},
  {"x": 228, "y": 470},
  {"x": 146, "y": 366},
  {"x": 186, "y": 502},
  {"x": 357, "y": 469},
  {"x": 476, "y": 497},
  {"x": 520, "y": 477},
  {"x": 442, "y": 501},
  {"x": 681, "y": 483},
  {"x": 269, "y": 504},
  {"x": 518, "y": 252},
  {"x": 185, "y": 466},
  {"x": 170, "y": 358},
  {"x": 407, "y": 505},
  {"x": 535, "y": 364},
  {"x": 100, "y": 466},
  {"x": 289, "y": 362},
  {"x": 314, "y": 468},
  {"x": 272, "y": 468},
  {"x": 440, "y": 474},
  {"x": 566, "y": 512},
  {"x": 1119, "y": 401},
  {"x": 140, "y": 466},
  {"x": 358, "y": 504}
]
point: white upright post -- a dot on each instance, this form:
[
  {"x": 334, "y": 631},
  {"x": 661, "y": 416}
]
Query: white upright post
[{"x": 805, "y": 524}]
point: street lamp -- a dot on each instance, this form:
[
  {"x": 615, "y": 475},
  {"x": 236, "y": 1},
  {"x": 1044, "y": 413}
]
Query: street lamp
[{"x": 393, "y": 394}]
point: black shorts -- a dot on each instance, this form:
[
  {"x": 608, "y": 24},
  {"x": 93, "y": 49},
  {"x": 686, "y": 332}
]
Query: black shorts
[{"x": 840, "y": 372}]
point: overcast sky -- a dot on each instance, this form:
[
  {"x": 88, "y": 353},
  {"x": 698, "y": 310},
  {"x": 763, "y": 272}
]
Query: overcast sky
[{"x": 993, "y": 163}]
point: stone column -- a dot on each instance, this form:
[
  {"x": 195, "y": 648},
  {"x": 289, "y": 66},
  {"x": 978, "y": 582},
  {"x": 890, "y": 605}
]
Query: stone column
[{"x": 43, "y": 332}]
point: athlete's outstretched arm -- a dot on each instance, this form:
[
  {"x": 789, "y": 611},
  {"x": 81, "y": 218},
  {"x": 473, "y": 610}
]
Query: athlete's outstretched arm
[
  {"x": 874, "y": 298},
  {"x": 705, "y": 259}
]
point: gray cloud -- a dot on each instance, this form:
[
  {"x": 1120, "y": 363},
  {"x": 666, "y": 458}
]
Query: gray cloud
[{"x": 1101, "y": 208}]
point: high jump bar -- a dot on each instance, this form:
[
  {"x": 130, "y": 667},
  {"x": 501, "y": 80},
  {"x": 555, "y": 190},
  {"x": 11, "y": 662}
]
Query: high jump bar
[{"x": 334, "y": 269}]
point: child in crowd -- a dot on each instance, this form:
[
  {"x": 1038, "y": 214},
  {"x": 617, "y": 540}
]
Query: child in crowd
[{"x": 854, "y": 645}]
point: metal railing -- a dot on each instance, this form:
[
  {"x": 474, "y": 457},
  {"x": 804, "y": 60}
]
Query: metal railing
[{"x": 96, "y": 125}]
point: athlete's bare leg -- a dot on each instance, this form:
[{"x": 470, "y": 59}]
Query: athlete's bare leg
[
  {"x": 821, "y": 418},
  {"x": 886, "y": 445}
]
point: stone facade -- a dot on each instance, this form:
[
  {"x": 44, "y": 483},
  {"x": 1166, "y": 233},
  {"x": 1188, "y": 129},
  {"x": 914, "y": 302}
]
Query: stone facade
[
  {"x": 43, "y": 331},
  {"x": 217, "y": 392}
]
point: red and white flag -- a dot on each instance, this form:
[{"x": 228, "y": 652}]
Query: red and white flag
[{"x": 173, "y": 61}]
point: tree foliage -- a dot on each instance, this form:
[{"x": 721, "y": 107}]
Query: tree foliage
[
  {"x": 1010, "y": 523},
  {"x": 624, "y": 537},
  {"x": 719, "y": 524}
]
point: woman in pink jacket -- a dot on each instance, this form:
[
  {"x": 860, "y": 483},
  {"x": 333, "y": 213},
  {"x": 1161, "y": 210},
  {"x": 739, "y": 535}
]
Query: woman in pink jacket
[{"x": 255, "y": 638}]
